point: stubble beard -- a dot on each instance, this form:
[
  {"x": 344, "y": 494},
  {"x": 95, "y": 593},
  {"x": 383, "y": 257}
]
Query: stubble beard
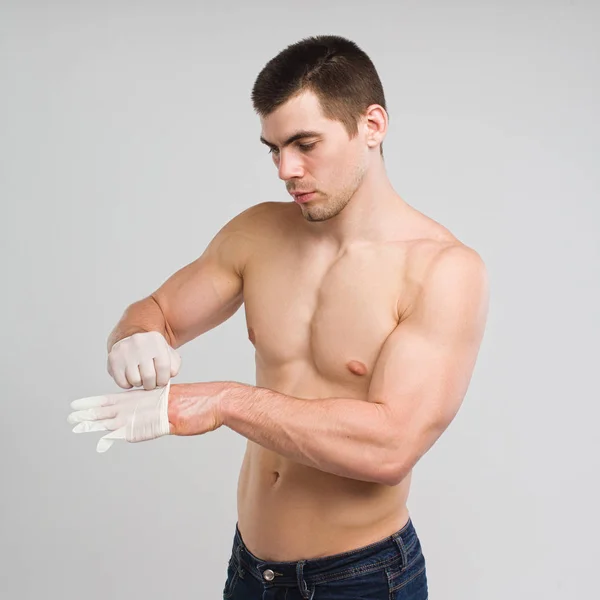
[{"x": 333, "y": 206}]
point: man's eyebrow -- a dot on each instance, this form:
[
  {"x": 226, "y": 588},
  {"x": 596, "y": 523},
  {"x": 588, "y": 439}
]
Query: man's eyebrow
[{"x": 297, "y": 136}]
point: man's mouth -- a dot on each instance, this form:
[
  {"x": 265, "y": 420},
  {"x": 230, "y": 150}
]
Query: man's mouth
[{"x": 303, "y": 196}]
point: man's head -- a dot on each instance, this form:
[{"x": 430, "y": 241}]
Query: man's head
[{"x": 326, "y": 90}]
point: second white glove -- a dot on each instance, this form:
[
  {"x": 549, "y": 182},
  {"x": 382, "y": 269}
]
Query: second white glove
[{"x": 134, "y": 416}]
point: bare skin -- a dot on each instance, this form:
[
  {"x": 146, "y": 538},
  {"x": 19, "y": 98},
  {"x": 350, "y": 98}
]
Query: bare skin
[
  {"x": 317, "y": 334},
  {"x": 341, "y": 302}
]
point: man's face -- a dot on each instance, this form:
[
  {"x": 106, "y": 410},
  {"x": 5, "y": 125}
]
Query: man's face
[{"x": 324, "y": 159}]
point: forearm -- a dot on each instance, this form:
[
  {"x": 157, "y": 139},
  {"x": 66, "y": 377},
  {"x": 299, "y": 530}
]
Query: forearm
[
  {"x": 144, "y": 315},
  {"x": 346, "y": 437}
]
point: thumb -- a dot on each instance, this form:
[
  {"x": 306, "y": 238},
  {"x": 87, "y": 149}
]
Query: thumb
[{"x": 104, "y": 443}]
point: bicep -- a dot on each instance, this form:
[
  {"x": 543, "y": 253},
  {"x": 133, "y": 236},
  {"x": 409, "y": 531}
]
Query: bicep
[{"x": 425, "y": 366}]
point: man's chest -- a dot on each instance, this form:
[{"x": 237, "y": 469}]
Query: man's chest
[{"x": 330, "y": 316}]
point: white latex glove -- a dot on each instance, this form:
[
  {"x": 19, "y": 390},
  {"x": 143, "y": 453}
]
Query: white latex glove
[
  {"x": 135, "y": 416},
  {"x": 143, "y": 359}
]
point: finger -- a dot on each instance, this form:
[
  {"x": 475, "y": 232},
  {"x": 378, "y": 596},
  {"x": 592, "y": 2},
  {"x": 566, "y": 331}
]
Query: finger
[
  {"x": 175, "y": 362},
  {"x": 148, "y": 374},
  {"x": 132, "y": 373},
  {"x": 162, "y": 368},
  {"x": 104, "y": 443},
  {"x": 92, "y": 402},
  {"x": 117, "y": 372},
  {"x": 92, "y": 414},
  {"x": 121, "y": 380},
  {"x": 89, "y": 426}
]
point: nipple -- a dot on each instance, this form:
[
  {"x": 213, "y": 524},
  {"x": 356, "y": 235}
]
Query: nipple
[
  {"x": 356, "y": 367},
  {"x": 251, "y": 335}
]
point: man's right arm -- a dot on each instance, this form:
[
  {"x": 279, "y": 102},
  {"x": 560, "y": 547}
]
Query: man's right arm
[{"x": 193, "y": 300}]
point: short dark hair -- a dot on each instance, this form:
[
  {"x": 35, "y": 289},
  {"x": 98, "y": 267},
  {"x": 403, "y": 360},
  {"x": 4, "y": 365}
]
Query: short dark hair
[{"x": 340, "y": 74}]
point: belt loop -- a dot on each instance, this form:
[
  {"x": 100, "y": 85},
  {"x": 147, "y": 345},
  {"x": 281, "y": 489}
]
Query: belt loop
[
  {"x": 306, "y": 593},
  {"x": 401, "y": 546},
  {"x": 240, "y": 569}
]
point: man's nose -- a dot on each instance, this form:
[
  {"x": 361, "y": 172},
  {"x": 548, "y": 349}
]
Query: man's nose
[{"x": 290, "y": 166}]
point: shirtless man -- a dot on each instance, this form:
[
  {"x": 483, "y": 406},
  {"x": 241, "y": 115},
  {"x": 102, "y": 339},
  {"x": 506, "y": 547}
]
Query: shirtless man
[{"x": 366, "y": 317}]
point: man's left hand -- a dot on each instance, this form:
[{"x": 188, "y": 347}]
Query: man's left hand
[{"x": 141, "y": 415}]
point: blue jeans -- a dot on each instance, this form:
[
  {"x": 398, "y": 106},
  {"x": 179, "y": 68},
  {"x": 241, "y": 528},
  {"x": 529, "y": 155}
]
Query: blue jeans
[{"x": 391, "y": 569}]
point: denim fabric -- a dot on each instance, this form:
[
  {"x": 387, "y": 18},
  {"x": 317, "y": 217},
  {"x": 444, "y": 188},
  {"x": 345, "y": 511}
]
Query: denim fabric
[{"x": 391, "y": 569}]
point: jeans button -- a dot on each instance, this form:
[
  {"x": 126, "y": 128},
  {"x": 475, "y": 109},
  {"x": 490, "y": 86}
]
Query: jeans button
[{"x": 269, "y": 575}]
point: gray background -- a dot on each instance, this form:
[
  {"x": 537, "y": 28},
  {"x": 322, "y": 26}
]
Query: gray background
[{"x": 128, "y": 139}]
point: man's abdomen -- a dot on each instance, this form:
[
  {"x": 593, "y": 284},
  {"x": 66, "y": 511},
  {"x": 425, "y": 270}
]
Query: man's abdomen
[{"x": 288, "y": 511}]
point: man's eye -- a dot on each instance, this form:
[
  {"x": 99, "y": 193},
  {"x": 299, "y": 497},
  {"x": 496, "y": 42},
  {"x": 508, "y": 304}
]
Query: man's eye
[{"x": 303, "y": 147}]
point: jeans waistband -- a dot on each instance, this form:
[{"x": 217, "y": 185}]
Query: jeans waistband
[{"x": 392, "y": 550}]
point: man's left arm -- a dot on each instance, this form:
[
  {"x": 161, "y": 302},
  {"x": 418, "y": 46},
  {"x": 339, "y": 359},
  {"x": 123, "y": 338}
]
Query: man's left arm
[{"x": 419, "y": 381}]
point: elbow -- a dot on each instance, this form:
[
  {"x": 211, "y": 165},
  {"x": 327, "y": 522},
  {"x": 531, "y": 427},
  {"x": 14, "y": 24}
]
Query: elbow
[
  {"x": 402, "y": 463},
  {"x": 392, "y": 475},
  {"x": 387, "y": 472},
  {"x": 399, "y": 453},
  {"x": 399, "y": 462},
  {"x": 409, "y": 449}
]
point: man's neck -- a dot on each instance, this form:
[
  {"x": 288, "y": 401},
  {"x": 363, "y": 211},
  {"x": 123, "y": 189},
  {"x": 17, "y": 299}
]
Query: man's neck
[{"x": 372, "y": 214}]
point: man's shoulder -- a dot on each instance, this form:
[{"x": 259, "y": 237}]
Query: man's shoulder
[
  {"x": 436, "y": 254},
  {"x": 248, "y": 231},
  {"x": 264, "y": 213},
  {"x": 430, "y": 243},
  {"x": 256, "y": 221},
  {"x": 437, "y": 264},
  {"x": 451, "y": 256},
  {"x": 427, "y": 254}
]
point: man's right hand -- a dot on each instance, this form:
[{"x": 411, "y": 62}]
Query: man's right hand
[{"x": 143, "y": 359}]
